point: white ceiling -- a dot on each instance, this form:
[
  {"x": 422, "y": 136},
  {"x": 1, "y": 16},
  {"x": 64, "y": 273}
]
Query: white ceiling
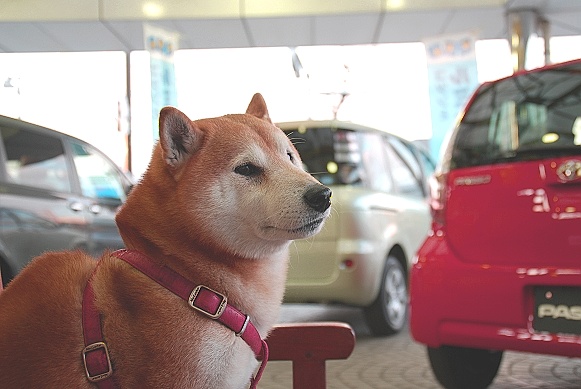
[{"x": 89, "y": 25}]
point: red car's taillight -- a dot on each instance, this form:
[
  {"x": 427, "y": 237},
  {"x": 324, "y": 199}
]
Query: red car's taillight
[{"x": 438, "y": 194}]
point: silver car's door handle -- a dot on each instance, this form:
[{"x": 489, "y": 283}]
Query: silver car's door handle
[
  {"x": 95, "y": 208},
  {"x": 76, "y": 206}
]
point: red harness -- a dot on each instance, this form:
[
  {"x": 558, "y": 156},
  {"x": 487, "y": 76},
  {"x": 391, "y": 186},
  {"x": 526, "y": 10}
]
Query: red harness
[{"x": 215, "y": 305}]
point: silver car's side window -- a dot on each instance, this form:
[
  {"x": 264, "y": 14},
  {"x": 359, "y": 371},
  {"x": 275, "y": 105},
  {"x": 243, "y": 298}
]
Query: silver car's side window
[
  {"x": 98, "y": 177},
  {"x": 375, "y": 163},
  {"x": 406, "y": 182},
  {"x": 35, "y": 160}
]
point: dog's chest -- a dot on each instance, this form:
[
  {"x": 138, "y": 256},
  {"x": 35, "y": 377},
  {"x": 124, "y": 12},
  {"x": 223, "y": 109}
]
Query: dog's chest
[
  {"x": 218, "y": 361},
  {"x": 169, "y": 342}
]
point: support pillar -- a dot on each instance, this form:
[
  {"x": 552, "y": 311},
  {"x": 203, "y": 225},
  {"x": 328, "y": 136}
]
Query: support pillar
[{"x": 522, "y": 25}]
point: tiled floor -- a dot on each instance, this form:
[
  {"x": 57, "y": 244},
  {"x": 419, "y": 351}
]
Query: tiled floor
[{"x": 398, "y": 362}]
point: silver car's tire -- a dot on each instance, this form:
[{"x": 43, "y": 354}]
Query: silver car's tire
[
  {"x": 387, "y": 314},
  {"x": 460, "y": 367}
]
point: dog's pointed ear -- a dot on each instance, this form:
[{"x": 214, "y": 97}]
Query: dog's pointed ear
[
  {"x": 178, "y": 135},
  {"x": 257, "y": 107}
]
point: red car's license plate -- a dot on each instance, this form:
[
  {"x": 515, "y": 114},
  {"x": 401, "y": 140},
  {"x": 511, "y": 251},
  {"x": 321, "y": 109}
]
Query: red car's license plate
[{"x": 557, "y": 309}]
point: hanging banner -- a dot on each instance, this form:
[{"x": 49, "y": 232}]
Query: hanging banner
[
  {"x": 452, "y": 77},
  {"x": 161, "y": 45}
]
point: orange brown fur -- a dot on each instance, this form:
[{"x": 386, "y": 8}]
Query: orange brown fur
[{"x": 192, "y": 213}]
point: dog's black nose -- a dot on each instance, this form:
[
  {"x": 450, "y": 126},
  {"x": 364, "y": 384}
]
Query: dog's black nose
[{"x": 318, "y": 197}]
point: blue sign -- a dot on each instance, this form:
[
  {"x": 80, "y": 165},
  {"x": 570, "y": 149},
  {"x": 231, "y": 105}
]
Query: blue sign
[
  {"x": 161, "y": 45},
  {"x": 452, "y": 77}
]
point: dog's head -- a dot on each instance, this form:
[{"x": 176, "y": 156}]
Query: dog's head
[{"x": 236, "y": 182}]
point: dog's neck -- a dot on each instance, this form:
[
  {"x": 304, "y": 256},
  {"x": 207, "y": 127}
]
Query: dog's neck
[
  {"x": 148, "y": 226},
  {"x": 235, "y": 277}
]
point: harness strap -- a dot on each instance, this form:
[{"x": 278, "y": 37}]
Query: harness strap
[
  {"x": 96, "y": 357},
  {"x": 201, "y": 298}
]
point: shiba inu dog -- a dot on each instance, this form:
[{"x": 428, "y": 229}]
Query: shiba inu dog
[{"x": 207, "y": 231}]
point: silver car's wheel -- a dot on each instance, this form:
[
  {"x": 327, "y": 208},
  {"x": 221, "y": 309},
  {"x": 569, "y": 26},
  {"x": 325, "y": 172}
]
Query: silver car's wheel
[{"x": 387, "y": 315}]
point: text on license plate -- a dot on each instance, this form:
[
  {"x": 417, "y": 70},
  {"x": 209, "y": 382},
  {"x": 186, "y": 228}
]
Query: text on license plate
[{"x": 557, "y": 309}]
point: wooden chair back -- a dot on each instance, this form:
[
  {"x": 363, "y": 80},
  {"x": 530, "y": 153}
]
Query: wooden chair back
[{"x": 309, "y": 346}]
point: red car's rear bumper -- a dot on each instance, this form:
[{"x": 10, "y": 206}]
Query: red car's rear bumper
[{"x": 483, "y": 306}]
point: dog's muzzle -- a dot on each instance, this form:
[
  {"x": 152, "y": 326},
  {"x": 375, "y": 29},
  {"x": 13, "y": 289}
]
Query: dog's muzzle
[{"x": 318, "y": 197}]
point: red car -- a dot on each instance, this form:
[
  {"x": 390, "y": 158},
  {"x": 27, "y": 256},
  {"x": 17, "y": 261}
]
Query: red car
[{"x": 501, "y": 267}]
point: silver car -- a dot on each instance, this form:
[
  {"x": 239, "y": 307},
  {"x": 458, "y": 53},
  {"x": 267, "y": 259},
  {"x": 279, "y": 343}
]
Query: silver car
[
  {"x": 380, "y": 216},
  {"x": 56, "y": 193}
]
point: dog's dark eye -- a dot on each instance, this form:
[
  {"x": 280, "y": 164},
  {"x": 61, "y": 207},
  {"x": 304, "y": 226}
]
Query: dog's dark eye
[
  {"x": 248, "y": 170},
  {"x": 291, "y": 157}
]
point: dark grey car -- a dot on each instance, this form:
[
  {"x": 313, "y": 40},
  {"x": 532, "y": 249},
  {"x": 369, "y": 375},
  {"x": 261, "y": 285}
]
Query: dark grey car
[{"x": 56, "y": 193}]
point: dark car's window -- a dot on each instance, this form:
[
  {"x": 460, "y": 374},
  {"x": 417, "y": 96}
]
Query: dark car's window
[
  {"x": 98, "y": 176},
  {"x": 525, "y": 117},
  {"x": 35, "y": 160},
  {"x": 331, "y": 155}
]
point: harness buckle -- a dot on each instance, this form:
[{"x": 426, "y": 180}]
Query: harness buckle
[
  {"x": 98, "y": 376},
  {"x": 221, "y": 306},
  {"x": 243, "y": 329}
]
